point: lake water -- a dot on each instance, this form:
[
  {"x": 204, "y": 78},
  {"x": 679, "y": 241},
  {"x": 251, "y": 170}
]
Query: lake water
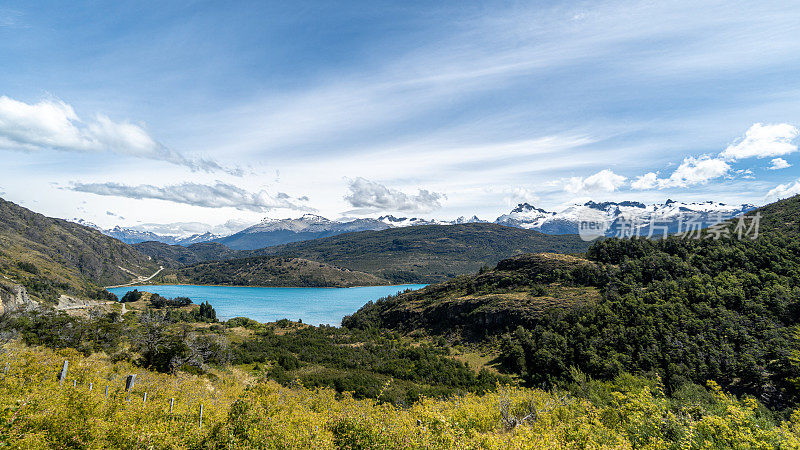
[{"x": 267, "y": 304}]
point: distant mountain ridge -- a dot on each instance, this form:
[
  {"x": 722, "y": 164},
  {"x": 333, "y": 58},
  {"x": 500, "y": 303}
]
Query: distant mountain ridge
[
  {"x": 669, "y": 216},
  {"x": 271, "y": 232},
  {"x": 133, "y": 236}
]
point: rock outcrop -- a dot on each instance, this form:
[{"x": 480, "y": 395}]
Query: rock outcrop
[{"x": 14, "y": 297}]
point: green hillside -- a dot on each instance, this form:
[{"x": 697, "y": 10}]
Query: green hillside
[
  {"x": 426, "y": 254},
  {"x": 515, "y": 293},
  {"x": 178, "y": 256},
  {"x": 780, "y": 218},
  {"x": 51, "y": 256},
  {"x": 687, "y": 309},
  {"x": 274, "y": 271}
]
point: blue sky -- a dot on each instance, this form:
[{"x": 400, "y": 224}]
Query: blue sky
[{"x": 157, "y": 112}]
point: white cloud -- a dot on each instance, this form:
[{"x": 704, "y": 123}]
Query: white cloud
[
  {"x": 779, "y": 163},
  {"x": 693, "y": 170},
  {"x": 784, "y": 191},
  {"x": 696, "y": 170},
  {"x": 53, "y": 124},
  {"x": 369, "y": 195},
  {"x": 762, "y": 141},
  {"x": 603, "y": 181},
  {"x": 219, "y": 195},
  {"x": 646, "y": 181}
]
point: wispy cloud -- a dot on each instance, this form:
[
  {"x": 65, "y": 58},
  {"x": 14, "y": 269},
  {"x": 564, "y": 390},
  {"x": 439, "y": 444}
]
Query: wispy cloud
[
  {"x": 10, "y": 18},
  {"x": 219, "y": 195},
  {"x": 368, "y": 195},
  {"x": 53, "y": 124}
]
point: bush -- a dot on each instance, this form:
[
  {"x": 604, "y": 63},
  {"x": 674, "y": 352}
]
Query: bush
[
  {"x": 28, "y": 267},
  {"x": 131, "y": 296}
]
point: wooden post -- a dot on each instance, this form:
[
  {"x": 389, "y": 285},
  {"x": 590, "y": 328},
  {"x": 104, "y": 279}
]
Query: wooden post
[
  {"x": 63, "y": 374},
  {"x": 106, "y": 391},
  {"x": 129, "y": 382},
  {"x": 144, "y": 400},
  {"x": 171, "y": 404},
  {"x": 90, "y": 386},
  {"x": 201, "y": 416}
]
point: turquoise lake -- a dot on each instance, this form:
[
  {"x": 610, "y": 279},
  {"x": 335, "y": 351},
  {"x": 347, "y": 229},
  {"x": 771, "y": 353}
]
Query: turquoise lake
[{"x": 314, "y": 306}]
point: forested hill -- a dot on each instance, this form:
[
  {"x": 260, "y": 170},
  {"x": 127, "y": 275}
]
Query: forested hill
[
  {"x": 689, "y": 310},
  {"x": 779, "y": 218},
  {"x": 175, "y": 256},
  {"x": 275, "y": 271},
  {"x": 52, "y": 256},
  {"x": 426, "y": 253}
]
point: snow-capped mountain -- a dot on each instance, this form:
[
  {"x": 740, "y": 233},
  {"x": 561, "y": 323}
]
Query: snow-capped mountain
[
  {"x": 669, "y": 217},
  {"x": 406, "y": 221},
  {"x": 134, "y": 236},
  {"x": 197, "y": 238},
  {"x": 525, "y": 216},
  {"x": 271, "y": 232}
]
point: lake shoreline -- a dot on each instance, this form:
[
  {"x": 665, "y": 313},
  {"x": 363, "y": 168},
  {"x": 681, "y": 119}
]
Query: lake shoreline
[
  {"x": 261, "y": 286},
  {"x": 312, "y": 305}
]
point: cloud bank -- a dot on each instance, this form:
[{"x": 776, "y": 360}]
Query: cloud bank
[
  {"x": 369, "y": 195},
  {"x": 219, "y": 195},
  {"x": 53, "y": 124}
]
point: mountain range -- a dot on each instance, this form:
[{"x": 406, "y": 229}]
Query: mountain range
[{"x": 669, "y": 216}]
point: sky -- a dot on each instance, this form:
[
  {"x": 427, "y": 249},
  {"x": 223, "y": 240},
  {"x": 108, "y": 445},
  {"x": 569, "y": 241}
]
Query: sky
[{"x": 218, "y": 114}]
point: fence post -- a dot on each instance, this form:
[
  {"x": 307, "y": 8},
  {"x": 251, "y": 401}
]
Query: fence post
[
  {"x": 144, "y": 399},
  {"x": 171, "y": 404},
  {"x": 63, "y": 374},
  {"x": 74, "y": 383},
  {"x": 5, "y": 369},
  {"x": 106, "y": 391},
  {"x": 129, "y": 382},
  {"x": 91, "y": 385},
  {"x": 201, "y": 416}
]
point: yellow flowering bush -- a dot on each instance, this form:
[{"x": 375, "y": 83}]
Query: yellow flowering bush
[{"x": 37, "y": 411}]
